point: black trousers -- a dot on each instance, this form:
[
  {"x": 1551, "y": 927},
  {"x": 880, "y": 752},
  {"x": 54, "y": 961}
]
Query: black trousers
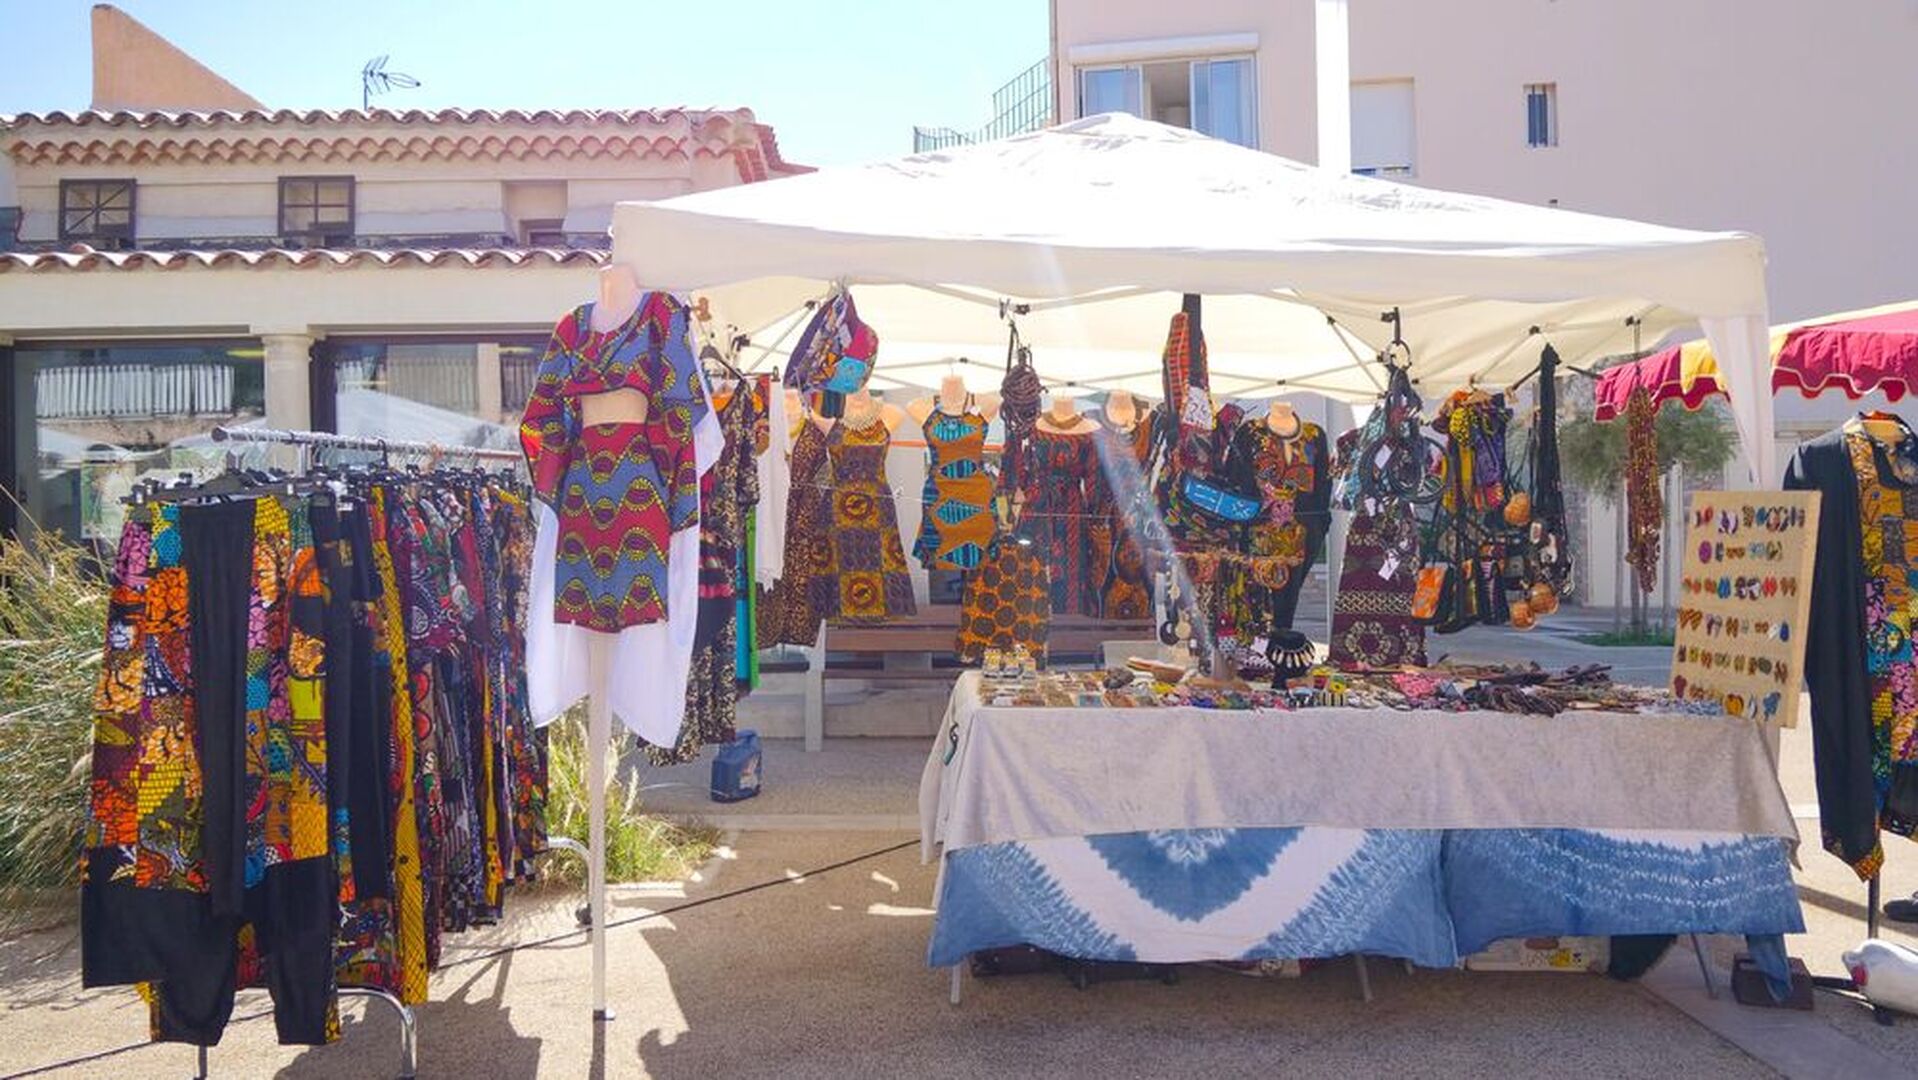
[
  {"x": 293, "y": 908},
  {"x": 1285, "y": 601}
]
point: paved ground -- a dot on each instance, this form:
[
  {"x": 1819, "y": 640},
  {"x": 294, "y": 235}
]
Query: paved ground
[
  {"x": 826, "y": 978},
  {"x": 823, "y": 975}
]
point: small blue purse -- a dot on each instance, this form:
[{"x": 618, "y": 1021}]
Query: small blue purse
[{"x": 1228, "y": 506}]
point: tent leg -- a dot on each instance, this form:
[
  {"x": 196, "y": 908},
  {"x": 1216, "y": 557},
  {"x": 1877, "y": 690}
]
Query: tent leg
[
  {"x": 816, "y": 693},
  {"x": 1365, "y": 980},
  {"x": 1704, "y": 969},
  {"x": 1871, "y": 907},
  {"x": 200, "y": 1067},
  {"x": 958, "y": 972},
  {"x": 598, "y": 742}
]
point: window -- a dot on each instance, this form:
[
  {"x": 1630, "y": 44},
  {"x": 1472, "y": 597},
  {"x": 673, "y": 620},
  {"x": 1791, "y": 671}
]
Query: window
[
  {"x": 318, "y": 209},
  {"x": 1214, "y": 96},
  {"x": 1109, "y": 90},
  {"x": 542, "y": 232},
  {"x": 92, "y": 420},
  {"x": 1541, "y": 114},
  {"x": 97, "y": 212},
  {"x": 1383, "y": 137}
]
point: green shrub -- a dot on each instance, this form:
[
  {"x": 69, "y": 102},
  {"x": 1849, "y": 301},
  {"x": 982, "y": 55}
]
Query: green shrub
[
  {"x": 639, "y": 846},
  {"x": 52, "y": 624}
]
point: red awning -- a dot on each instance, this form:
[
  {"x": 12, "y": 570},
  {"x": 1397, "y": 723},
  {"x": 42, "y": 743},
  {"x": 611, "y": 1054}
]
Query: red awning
[
  {"x": 1852, "y": 352},
  {"x": 1854, "y": 356},
  {"x": 1683, "y": 373}
]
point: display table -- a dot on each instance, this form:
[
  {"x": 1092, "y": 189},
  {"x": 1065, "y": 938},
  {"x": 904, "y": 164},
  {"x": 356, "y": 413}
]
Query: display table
[{"x": 1184, "y": 834}]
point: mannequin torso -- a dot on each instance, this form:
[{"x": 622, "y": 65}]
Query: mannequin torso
[
  {"x": 862, "y": 408},
  {"x": 952, "y": 400},
  {"x": 1282, "y": 421},
  {"x": 619, "y": 296},
  {"x": 1064, "y": 419}
]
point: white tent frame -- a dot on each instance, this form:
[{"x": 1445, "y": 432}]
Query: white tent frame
[{"x": 1092, "y": 230}]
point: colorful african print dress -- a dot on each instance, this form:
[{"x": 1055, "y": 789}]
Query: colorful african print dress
[
  {"x": 796, "y": 604},
  {"x": 1292, "y": 476},
  {"x": 1115, "y": 560},
  {"x": 1888, "y": 512},
  {"x": 868, "y": 558},
  {"x": 620, "y": 490},
  {"x": 1055, "y": 515},
  {"x": 956, "y": 523}
]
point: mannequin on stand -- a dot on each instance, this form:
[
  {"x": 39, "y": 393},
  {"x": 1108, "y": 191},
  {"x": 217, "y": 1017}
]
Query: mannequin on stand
[
  {"x": 953, "y": 400},
  {"x": 862, "y": 407},
  {"x": 1064, "y": 418},
  {"x": 624, "y": 642},
  {"x": 1283, "y": 421},
  {"x": 1122, "y": 410},
  {"x": 619, "y": 296}
]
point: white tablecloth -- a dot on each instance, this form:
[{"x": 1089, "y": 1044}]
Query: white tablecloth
[{"x": 1029, "y": 774}]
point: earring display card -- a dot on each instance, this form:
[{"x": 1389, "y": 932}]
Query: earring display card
[{"x": 1744, "y": 592}]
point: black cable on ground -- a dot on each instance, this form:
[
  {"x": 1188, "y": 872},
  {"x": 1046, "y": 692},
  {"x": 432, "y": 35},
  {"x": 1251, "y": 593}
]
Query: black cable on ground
[
  {"x": 504, "y": 950},
  {"x": 663, "y": 912}
]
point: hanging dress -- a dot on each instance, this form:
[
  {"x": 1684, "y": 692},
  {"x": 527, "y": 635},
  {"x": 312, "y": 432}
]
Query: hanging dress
[
  {"x": 794, "y": 607},
  {"x": 1115, "y": 560},
  {"x": 1055, "y": 514},
  {"x": 868, "y": 558},
  {"x": 1006, "y": 603},
  {"x": 956, "y": 523},
  {"x": 1292, "y": 475}
]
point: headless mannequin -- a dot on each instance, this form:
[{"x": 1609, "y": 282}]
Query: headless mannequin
[
  {"x": 1883, "y": 427},
  {"x": 1064, "y": 419},
  {"x": 1282, "y": 420},
  {"x": 1122, "y": 410},
  {"x": 619, "y": 296},
  {"x": 951, "y": 400},
  {"x": 861, "y": 407}
]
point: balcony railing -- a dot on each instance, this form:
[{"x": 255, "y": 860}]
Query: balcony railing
[{"x": 1022, "y": 104}]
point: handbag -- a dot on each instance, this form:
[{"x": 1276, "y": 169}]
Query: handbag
[
  {"x": 1429, "y": 594},
  {"x": 835, "y": 354},
  {"x": 1207, "y": 494}
]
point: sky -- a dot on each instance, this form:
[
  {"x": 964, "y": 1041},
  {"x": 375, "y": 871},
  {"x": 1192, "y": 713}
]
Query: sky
[{"x": 840, "y": 81}]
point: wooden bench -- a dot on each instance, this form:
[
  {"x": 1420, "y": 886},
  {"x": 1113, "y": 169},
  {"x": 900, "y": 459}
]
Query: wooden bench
[{"x": 871, "y": 653}]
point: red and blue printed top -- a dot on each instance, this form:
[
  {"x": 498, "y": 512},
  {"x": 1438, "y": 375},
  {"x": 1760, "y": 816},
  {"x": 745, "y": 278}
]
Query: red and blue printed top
[{"x": 619, "y": 490}]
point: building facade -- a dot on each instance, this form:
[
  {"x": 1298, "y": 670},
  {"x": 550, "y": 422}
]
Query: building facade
[
  {"x": 172, "y": 264},
  {"x": 1785, "y": 119}
]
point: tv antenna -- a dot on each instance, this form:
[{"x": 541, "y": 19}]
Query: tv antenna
[{"x": 375, "y": 79}]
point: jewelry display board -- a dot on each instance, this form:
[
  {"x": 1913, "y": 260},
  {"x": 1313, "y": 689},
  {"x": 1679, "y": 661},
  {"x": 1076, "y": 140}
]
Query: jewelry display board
[{"x": 1744, "y": 592}]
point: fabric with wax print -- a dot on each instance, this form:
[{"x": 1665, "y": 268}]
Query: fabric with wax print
[{"x": 620, "y": 490}]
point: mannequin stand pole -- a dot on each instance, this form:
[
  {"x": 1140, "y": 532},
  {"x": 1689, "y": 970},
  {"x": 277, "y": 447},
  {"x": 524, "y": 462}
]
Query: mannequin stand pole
[{"x": 599, "y": 739}]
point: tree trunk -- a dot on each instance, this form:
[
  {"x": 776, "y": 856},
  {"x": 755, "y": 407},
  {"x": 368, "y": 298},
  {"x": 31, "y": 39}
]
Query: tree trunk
[{"x": 1618, "y": 579}]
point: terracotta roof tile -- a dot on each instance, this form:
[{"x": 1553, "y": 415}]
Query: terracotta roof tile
[
  {"x": 82, "y": 257},
  {"x": 171, "y": 136}
]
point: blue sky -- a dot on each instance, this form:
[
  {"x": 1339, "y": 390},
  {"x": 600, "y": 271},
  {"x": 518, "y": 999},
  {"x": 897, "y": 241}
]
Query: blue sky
[{"x": 840, "y": 80}]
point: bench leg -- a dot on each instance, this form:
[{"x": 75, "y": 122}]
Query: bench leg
[{"x": 816, "y": 694}]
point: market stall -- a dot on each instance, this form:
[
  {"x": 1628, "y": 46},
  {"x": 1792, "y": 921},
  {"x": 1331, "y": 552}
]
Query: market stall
[
  {"x": 1236, "y": 824},
  {"x": 1179, "y": 833}
]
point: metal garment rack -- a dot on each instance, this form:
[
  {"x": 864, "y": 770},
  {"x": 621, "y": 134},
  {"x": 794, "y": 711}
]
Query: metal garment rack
[
  {"x": 409, "y": 1025},
  {"x": 409, "y": 1032},
  {"x": 359, "y": 442}
]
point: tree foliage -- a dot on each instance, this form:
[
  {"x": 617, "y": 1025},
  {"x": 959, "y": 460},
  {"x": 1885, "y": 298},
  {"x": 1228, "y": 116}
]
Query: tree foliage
[{"x": 1592, "y": 452}]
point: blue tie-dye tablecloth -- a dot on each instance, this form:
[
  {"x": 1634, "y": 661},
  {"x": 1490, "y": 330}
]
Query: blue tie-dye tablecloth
[{"x": 1300, "y": 888}]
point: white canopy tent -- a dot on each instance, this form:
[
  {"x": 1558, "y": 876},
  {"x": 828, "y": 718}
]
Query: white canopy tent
[{"x": 1097, "y": 227}]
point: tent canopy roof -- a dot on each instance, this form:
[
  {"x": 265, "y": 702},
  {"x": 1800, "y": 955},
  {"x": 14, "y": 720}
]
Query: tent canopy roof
[{"x": 1100, "y": 225}]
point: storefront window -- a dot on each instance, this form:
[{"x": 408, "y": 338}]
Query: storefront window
[
  {"x": 88, "y": 422},
  {"x": 461, "y": 393}
]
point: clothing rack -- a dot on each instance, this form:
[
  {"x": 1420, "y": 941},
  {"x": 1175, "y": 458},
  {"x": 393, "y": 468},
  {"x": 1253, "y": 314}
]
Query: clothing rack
[
  {"x": 358, "y": 442},
  {"x": 409, "y": 1032}
]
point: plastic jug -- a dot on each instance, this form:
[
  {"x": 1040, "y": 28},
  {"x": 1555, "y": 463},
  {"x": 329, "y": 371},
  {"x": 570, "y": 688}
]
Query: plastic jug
[{"x": 736, "y": 769}]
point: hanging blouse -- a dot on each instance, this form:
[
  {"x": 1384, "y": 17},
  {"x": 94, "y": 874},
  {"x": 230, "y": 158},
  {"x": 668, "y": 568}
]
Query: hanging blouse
[{"x": 619, "y": 490}]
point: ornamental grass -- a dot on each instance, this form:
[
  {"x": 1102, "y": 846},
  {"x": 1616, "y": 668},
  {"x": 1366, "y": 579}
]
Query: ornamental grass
[{"x": 53, "y": 599}]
